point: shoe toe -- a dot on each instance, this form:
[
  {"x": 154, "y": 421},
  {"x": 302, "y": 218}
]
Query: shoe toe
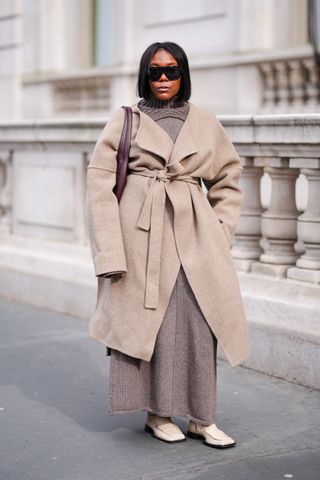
[
  {"x": 172, "y": 431},
  {"x": 218, "y": 438},
  {"x": 168, "y": 432},
  {"x": 213, "y": 435}
]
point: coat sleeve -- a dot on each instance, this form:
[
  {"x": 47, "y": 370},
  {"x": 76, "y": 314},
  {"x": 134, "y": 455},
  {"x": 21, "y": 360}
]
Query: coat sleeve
[
  {"x": 101, "y": 204},
  {"x": 224, "y": 194}
]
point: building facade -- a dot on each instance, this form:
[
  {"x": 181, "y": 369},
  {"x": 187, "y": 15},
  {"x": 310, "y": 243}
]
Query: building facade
[
  {"x": 63, "y": 58},
  {"x": 65, "y": 65}
]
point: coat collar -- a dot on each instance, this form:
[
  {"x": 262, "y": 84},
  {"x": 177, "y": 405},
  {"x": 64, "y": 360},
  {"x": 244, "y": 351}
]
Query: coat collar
[{"x": 153, "y": 138}]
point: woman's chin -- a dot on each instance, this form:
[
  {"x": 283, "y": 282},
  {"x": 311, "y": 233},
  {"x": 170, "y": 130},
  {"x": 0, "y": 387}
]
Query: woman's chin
[{"x": 163, "y": 96}]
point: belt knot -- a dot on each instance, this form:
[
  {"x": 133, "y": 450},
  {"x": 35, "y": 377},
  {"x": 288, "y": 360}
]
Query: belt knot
[
  {"x": 162, "y": 175},
  {"x": 151, "y": 220}
]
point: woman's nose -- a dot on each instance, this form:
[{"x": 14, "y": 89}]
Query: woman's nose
[{"x": 163, "y": 78}]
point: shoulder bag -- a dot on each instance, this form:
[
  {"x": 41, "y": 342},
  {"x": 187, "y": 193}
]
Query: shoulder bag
[{"x": 123, "y": 153}]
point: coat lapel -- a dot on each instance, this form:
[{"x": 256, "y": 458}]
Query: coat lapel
[
  {"x": 186, "y": 144},
  {"x": 153, "y": 138}
]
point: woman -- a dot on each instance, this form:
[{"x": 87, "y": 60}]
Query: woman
[{"x": 167, "y": 286}]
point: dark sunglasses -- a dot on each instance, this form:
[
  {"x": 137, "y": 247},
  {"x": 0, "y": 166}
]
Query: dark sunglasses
[{"x": 172, "y": 73}]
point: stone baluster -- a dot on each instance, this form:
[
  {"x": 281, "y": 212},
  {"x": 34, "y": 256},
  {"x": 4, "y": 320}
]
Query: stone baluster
[
  {"x": 269, "y": 87},
  {"x": 282, "y": 82},
  {"x": 246, "y": 248},
  {"x": 5, "y": 192},
  {"x": 297, "y": 85},
  {"x": 279, "y": 221},
  {"x": 308, "y": 265},
  {"x": 312, "y": 85}
]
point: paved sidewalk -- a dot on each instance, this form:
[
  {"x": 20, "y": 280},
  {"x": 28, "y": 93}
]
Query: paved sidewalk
[{"x": 53, "y": 421}]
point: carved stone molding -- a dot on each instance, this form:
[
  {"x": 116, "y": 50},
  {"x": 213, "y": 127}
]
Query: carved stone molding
[{"x": 73, "y": 95}]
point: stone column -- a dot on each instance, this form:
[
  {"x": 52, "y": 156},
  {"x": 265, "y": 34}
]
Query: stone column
[
  {"x": 11, "y": 47},
  {"x": 279, "y": 221},
  {"x": 246, "y": 248},
  {"x": 308, "y": 265}
]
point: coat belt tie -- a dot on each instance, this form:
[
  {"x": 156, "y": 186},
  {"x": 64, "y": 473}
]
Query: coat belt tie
[{"x": 151, "y": 220}]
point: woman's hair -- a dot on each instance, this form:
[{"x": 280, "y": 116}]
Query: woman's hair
[{"x": 143, "y": 88}]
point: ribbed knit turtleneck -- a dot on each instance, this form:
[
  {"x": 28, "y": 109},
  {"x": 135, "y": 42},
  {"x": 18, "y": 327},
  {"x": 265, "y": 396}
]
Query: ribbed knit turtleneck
[
  {"x": 169, "y": 114},
  {"x": 156, "y": 103}
]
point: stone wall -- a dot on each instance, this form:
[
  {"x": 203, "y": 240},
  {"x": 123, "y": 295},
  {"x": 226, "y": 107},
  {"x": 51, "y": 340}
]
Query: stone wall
[{"x": 44, "y": 253}]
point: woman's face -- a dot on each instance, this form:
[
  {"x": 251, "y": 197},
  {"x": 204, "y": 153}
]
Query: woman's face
[{"x": 164, "y": 89}]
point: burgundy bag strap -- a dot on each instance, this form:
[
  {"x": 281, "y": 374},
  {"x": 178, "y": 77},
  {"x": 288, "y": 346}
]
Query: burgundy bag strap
[{"x": 123, "y": 153}]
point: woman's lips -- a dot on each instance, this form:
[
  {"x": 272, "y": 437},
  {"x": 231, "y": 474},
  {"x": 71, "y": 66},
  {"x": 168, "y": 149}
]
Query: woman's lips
[{"x": 163, "y": 89}]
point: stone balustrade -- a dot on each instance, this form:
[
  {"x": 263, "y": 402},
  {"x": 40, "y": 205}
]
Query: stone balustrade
[
  {"x": 283, "y": 239},
  {"x": 290, "y": 84},
  {"x": 44, "y": 253}
]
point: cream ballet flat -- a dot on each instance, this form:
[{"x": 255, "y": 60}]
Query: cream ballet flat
[
  {"x": 163, "y": 429},
  {"x": 212, "y": 435}
]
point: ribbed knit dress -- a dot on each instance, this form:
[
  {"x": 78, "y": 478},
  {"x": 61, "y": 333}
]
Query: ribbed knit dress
[{"x": 180, "y": 379}]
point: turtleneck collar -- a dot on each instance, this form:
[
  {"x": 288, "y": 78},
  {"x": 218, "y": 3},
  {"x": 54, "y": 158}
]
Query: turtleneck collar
[{"x": 154, "y": 102}]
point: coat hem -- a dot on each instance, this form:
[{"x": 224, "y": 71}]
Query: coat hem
[
  {"x": 230, "y": 360},
  {"x": 161, "y": 414},
  {"x": 108, "y": 345}
]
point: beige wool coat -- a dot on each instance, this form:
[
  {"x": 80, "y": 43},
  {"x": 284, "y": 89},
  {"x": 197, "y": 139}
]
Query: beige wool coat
[{"x": 165, "y": 219}]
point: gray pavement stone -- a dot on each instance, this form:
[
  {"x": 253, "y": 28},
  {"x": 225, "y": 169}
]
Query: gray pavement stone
[{"x": 54, "y": 423}]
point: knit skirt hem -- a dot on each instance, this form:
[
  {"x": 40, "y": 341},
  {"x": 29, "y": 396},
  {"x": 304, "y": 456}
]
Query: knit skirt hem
[
  {"x": 160, "y": 414},
  {"x": 180, "y": 379}
]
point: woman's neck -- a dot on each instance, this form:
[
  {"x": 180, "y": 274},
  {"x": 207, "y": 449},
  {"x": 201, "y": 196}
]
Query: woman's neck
[{"x": 154, "y": 102}]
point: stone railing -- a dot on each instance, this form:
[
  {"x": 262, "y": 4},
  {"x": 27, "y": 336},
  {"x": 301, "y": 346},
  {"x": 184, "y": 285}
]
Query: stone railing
[
  {"x": 44, "y": 253},
  {"x": 290, "y": 84},
  {"x": 282, "y": 240}
]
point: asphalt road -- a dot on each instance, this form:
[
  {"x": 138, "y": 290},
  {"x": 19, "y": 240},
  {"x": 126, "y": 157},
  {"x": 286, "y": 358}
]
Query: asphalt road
[{"x": 54, "y": 425}]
